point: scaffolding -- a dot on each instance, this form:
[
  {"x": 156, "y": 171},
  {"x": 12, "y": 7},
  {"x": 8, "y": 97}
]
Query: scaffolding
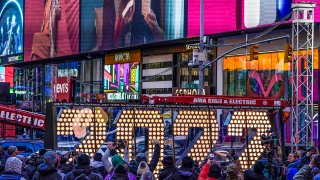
[{"x": 302, "y": 74}]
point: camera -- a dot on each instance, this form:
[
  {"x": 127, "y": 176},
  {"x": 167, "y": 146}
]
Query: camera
[{"x": 120, "y": 144}]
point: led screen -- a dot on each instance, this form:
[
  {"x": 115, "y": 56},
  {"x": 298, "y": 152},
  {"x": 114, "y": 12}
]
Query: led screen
[
  {"x": 11, "y": 30},
  {"x": 107, "y": 24},
  {"x": 52, "y": 28},
  {"x": 122, "y": 78},
  {"x": 6, "y": 75},
  {"x": 232, "y": 15}
]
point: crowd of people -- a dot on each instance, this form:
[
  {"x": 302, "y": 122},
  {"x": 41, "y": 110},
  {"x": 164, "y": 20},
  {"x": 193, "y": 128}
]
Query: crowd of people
[{"x": 49, "y": 165}]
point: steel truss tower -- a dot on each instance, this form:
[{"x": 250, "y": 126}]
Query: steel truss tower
[{"x": 302, "y": 74}]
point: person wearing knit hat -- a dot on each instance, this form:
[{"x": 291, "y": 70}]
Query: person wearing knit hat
[
  {"x": 232, "y": 172},
  {"x": 169, "y": 168},
  {"x": 12, "y": 169},
  {"x": 82, "y": 169},
  {"x": 116, "y": 160},
  {"x": 47, "y": 169}
]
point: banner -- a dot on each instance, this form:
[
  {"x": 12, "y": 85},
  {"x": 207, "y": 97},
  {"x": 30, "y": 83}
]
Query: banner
[
  {"x": 62, "y": 89},
  {"x": 24, "y": 118}
]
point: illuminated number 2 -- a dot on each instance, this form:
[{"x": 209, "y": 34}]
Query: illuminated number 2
[
  {"x": 254, "y": 120},
  {"x": 197, "y": 119},
  {"x": 78, "y": 122}
]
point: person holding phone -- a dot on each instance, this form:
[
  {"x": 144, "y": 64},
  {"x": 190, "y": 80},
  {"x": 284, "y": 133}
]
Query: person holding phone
[{"x": 211, "y": 170}]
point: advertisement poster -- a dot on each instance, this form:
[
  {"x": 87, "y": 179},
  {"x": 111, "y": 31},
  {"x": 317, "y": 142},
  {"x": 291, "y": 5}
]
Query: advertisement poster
[
  {"x": 52, "y": 28},
  {"x": 6, "y": 75},
  {"x": 11, "y": 30},
  {"x": 121, "y": 78},
  {"x": 107, "y": 24}
]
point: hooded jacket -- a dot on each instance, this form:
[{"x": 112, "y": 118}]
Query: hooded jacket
[
  {"x": 252, "y": 175},
  {"x": 167, "y": 171},
  {"x": 187, "y": 173},
  {"x": 82, "y": 171},
  {"x": 47, "y": 172}
]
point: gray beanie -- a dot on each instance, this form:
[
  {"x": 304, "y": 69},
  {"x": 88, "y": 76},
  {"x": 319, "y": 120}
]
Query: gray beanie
[
  {"x": 13, "y": 164},
  {"x": 50, "y": 157}
]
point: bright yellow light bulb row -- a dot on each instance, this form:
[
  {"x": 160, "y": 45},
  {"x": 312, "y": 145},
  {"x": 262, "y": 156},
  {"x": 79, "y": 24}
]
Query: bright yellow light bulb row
[
  {"x": 187, "y": 119},
  {"x": 71, "y": 118},
  {"x": 256, "y": 120},
  {"x": 145, "y": 119}
]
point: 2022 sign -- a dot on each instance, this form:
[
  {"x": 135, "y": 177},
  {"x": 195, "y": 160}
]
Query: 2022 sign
[{"x": 89, "y": 127}]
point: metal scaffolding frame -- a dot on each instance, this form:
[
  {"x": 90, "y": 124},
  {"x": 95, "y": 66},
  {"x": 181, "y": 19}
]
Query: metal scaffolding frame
[{"x": 302, "y": 74}]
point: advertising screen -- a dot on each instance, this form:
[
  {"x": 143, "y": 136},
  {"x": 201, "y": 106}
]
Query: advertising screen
[
  {"x": 232, "y": 15},
  {"x": 107, "y": 24},
  {"x": 6, "y": 75},
  {"x": 120, "y": 79},
  {"x": 11, "y": 30},
  {"x": 52, "y": 28}
]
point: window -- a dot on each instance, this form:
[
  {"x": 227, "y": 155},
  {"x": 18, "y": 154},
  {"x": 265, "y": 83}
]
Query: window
[{"x": 157, "y": 65}]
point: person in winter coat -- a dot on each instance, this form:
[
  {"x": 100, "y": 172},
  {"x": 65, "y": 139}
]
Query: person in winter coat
[
  {"x": 143, "y": 168},
  {"x": 47, "y": 169},
  {"x": 119, "y": 169},
  {"x": 12, "y": 169},
  {"x": 186, "y": 171},
  {"x": 308, "y": 171},
  {"x": 23, "y": 171},
  {"x": 97, "y": 165},
  {"x": 142, "y": 157},
  {"x": 233, "y": 172},
  {"x": 210, "y": 171},
  {"x": 147, "y": 176},
  {"x": 82, "y": 170},
  {"x": 168, "y": 169},
  {"x": 256, "y": 173},
  {"x": 32, "y": 162}
]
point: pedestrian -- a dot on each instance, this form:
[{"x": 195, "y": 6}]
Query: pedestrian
[
  {"x": 186, "y": 171},
  {"x": 143, "y": 157},
  {"x": 233, "y": 172},
  {"x": 97, "y": 165},
  {"x": 147, "y": 176},
  {"x": 256, "y": 173},
  {"x": 23, "y": 171},
  {"x": 143, "y": 168},
  {"x": 210, "y": 171},
  {"x": 47, "y": 170},
  {"x": 169, "y": 168},
  {"x": 12, "y": 170},
  {"x": 119, "y": 169},
  {"x": 12, "y": 151},
  {"x": 82, "y": 169}
]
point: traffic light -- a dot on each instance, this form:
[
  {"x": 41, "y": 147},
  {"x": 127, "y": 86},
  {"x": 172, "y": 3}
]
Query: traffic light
[
  {"x": 288, "y": 53},
  {"x": 254, "y": 52}
]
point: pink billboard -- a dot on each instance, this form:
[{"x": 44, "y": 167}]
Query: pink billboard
[{"x": 233, "y": 15}]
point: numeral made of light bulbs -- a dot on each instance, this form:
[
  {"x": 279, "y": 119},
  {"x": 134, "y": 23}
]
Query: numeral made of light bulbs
[
  {"x": 254, "y": 120},
  {"x": 151, "y": 119},
  {"x": 187, "y": 119},
  {"x": 77, "y": 122}
]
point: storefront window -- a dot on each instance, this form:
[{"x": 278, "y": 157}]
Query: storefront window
[
  {"x": 265, "y": 77},
  {"x": 188, "y": 77},
  {"x": 28, "y": 87}
]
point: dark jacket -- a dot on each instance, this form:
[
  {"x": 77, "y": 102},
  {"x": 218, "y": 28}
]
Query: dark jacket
[
  {"x": 167, "y": 171},
  {"x": 252, "y": 175},
  {"x": 305, "y": 160},
  {"x": 304, "y": 173},
  {"x": 30, "y": 170},
  {"x": 153, "y": 163},
  {"x": 47, "y": 172},
  {"x": 294, "y": 164},
  {"x": 10, "y": 176},
  {"x": 82, "y": 171},
  {"x": 187, "y": 173}
]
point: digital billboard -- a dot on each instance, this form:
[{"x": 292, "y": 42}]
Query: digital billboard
[
  {"x": 52, "y": 28},
  {"x": 232, "y": 15},
  {"x": 11, "y": 30},
  {"x": 6, "y": 75},
  {"x": 121, "y": 79},
  {"x": 108, "y": 24}
]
